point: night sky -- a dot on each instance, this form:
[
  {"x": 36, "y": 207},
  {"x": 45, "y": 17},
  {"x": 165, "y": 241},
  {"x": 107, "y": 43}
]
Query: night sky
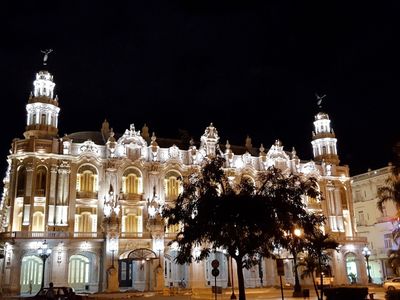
[{"x": 250, "y": 67}]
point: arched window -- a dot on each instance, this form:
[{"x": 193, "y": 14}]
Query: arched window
[
  {"x": 85, "y": 222},
  {"x": 351, "y": 267},
  {"x": 131, "y": 223},
  {"x": 21, "y": 182},
  {"x": 86, "y": 180},
  {"x": 173, "y": 185},
  {"x": 31, "y": 273},
  {"x": 132, "y": 182},
  {"x": 38, "y": 221},
  {"x": 78, "y": 272},
  {"x": 18, "y": 222},
  {"x": 41, "y": 175},
  {"x": 43, "y": 119}
]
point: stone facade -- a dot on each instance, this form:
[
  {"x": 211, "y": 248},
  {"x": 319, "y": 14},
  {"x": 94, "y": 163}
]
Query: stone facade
[
  {"x": 372, "y": 223},
  {"x": 93, "y": 198}
]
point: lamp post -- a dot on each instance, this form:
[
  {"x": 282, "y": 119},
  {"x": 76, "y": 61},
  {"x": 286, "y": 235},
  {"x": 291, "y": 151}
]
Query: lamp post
[
  {"x": 366, "y": 252},
  {"x": 43, "y": 252},
  {"x": 113, "y": 248},
  {"x": 295, "y": 248}
]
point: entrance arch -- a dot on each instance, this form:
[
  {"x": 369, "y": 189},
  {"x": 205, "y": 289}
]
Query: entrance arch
[
  {"x": 79, "y": 272},
  {"x": 174, "y": 273},
  {"x": 134, "y": 269},
  {"x": 31, "y": 274},
  {"x": 352, "y": 267}
]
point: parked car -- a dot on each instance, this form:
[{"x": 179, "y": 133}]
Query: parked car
[
  {"x": 392, "y": 284},
  {"x": 60, "y": 292}
]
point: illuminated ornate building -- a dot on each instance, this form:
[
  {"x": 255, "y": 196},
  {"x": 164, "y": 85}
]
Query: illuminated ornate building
[{"x": 94, "y": 198}]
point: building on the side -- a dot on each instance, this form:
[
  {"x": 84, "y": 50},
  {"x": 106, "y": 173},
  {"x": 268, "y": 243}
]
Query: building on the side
[
  {"x": 372, "y": 223},
  {"x": 92, "y": 198}
]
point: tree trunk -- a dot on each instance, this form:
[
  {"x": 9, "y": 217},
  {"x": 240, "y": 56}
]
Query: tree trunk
[
  {"x": 297, "y": 286},
  {"x": 315, "y": 285},
  {"x": 242, "y": 293}
]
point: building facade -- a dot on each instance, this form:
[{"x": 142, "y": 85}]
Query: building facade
[
  {"x": 373, "y": 223},
  {"x": 92, "y": 198}
]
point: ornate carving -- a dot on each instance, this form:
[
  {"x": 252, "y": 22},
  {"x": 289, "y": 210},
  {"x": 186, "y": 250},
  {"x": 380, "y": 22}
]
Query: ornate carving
[
  {"x": 89, "y": 147},
  {"x": 174, "y": 152}
]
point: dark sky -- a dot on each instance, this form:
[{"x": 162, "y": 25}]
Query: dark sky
[{"x": 250, "y": 67}]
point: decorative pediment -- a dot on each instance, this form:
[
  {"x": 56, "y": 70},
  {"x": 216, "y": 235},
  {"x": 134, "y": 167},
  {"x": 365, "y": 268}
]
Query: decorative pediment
[
  {"x": 132, "y": 138},
  {"x": 174, "y": 153},
  {"x": 89, "y": 147}
]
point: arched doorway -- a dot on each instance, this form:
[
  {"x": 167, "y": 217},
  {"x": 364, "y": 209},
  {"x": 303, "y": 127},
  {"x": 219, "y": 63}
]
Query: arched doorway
[
  {"x": 31, "y": 274},
  {"x": 134, "y": 269},
  {"x": 351, "y": 267},
  {"x": 79, "y": 272},
  {"x": 174, "y": 273}
]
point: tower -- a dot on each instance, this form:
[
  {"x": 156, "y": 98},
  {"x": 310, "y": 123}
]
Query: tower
[
  {"x": 324, "y": 140},
  {"x": 42, "y": 108}
]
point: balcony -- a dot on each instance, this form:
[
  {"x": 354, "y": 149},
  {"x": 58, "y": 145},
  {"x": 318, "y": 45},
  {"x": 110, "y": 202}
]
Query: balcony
[
  {"x": 86, "y": 195},
  {"x": 349, "y": 239},
  {"x": 50, "y": 235},
  {"x": 135, "y": 235},
  {"x": 131, "y": 197}
]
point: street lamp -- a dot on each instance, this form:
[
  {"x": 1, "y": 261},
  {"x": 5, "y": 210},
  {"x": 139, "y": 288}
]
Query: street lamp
[
  {"x": 366, "y": 252},
  {"x": 113, "y": 248},
  {"x": 296, "y": 246},
  {"x": 43, "y": 252}
]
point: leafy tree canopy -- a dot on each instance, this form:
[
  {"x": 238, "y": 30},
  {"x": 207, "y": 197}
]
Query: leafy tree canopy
[{"x": 243, "y": 219}]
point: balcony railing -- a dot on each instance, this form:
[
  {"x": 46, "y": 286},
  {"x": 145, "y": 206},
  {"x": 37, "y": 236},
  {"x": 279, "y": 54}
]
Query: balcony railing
[
  {"x": 50, "y": 235},
  {"x": 75, "y": 235},
  {"x": 350, "y": 239},
  {"x": 135, "y": 235},
  {"x": 86, "y": 195}
]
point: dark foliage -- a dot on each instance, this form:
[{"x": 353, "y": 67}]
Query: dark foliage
[{"x": 244, "y": 220}]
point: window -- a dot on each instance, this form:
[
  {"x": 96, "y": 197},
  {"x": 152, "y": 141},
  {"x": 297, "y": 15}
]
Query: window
[
  {"x": 86, "y": 180},
  {"x": 31, "y": 273},
  {"x": 21, "y": 182},
  {"x": 40, "y": 190},
  {"x": 84, "y": 222},
  {"x": 132, "y": 182},
  {"x": 388, "y": 241},
  {"x": 78, "y": 271},
  {"x": 38, "y": 221},
  {"x": 173, "y": 185}
]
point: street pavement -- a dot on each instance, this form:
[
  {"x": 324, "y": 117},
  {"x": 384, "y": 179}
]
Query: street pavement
[{"x": 270, "y": 293}]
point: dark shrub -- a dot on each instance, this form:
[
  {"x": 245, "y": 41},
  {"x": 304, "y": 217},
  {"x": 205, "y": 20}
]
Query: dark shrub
[
  {"x": 346, "y": 292},
  {"x": 393, "y": 295}
]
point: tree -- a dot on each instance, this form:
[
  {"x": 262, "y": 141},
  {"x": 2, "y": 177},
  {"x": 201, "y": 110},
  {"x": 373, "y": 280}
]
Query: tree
[
  {"x": 318, "y": 244},
  {"x": 394, "y": 261},
  {"x": 245, "y": 220},
  {"x": 391, "y": 191}
]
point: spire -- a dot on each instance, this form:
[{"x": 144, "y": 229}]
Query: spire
[
  {"x": 145, "y": 133},
  {"x": 105, "y": 130},
  {"x": 323, "y": 138},
  {"x": 209, "y": 140},
  {"x": 248, "y": 144},
  {"x": 42, "y": 108}
]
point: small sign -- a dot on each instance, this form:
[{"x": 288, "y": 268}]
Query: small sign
[
  {"x": 215, "y": 263},
  {"x": 215, "y": 272},
  {"x": 280, "y": 267}
]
